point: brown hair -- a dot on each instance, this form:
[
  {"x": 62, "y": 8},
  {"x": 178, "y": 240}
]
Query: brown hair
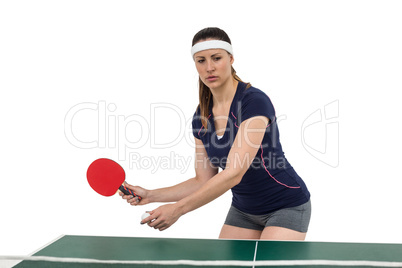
[{"x": 205, "y": 94}]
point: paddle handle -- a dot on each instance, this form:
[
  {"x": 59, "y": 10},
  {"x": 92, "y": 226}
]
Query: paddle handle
[{"x": 127, "y": 191}]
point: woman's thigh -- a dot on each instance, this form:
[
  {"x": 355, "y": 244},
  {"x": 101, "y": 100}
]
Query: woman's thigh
[
  {"x": 233, "y": 232},
  {"x": 269, "y": 233},
  {"x": 281, "y": 233}
]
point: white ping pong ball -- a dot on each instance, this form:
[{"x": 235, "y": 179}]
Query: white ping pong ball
[{"x": 145, "y": 215}]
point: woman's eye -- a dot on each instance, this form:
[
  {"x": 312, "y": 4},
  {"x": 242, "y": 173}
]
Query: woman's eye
[
  {"x": 217, "y": 58},
  {"x": 200, "y": 61}
]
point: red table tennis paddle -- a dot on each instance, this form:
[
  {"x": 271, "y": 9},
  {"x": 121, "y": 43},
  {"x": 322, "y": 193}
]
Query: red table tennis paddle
[{"x": 106, "y": 177}]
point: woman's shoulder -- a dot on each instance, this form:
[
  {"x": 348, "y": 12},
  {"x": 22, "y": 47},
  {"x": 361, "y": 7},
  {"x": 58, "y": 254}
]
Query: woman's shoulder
[
  {"x": 252, "y": 102},
  {"x": 253, "y": 93}
]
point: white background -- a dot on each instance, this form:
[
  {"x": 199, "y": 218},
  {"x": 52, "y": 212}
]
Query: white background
[{"x": 332, "y": 69}]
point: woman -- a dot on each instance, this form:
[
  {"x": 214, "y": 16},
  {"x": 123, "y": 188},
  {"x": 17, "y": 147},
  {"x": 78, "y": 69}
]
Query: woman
[{"x": 234, "y": 129}]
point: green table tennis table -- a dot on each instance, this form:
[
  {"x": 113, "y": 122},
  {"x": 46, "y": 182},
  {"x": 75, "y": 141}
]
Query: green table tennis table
[{"x": 95, "y": 251}]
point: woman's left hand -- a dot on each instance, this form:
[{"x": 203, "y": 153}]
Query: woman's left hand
[{"x": 163, "y": 217}]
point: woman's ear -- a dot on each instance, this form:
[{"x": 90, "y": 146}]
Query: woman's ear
[{"x": 231, "y": 59}]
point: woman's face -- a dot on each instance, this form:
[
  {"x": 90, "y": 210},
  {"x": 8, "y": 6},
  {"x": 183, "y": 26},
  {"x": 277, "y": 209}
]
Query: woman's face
[{"x": 214, "y": 67}]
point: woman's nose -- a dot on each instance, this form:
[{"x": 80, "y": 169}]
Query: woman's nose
[{"x": 210, "y": 66}]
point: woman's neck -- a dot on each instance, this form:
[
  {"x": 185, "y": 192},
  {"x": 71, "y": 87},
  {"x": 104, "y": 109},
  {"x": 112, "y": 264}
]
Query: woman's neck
[{"x": 225, "y": 94}]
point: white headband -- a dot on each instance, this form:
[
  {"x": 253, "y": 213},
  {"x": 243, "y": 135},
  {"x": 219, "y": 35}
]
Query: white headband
[{"x": 211, "y": 44}]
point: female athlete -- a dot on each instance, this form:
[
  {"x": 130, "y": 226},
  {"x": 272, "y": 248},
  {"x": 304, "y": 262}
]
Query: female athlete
[{"x": 235, "y": 129}]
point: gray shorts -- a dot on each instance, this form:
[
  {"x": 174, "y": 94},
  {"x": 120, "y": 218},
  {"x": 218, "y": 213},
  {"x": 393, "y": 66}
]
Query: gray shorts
[{"x": 295, "y": 218}]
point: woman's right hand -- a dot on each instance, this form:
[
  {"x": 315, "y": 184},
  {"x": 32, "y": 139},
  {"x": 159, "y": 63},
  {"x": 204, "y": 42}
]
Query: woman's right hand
[{"x": 134, "y": 201}]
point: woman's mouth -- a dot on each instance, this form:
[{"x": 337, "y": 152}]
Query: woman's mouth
[{"x": 212, "y": 78}]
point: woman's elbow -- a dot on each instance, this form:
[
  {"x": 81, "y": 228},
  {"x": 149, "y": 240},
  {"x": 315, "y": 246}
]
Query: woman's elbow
[{"x": 235, "y": 177}]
